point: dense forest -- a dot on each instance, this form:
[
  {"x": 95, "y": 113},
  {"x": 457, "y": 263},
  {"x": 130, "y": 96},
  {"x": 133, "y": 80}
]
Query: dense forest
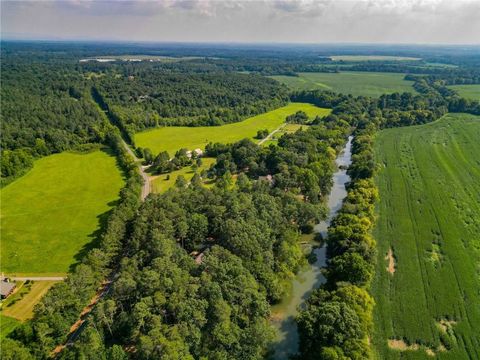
[
  {"x": 45, "y": 109},
  {"x": 194, "y": 271},
  {"x": 159, "y": 97}
]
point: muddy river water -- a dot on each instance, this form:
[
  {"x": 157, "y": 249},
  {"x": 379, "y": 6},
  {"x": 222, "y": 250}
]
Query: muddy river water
[{"x": 309, "y": 278}]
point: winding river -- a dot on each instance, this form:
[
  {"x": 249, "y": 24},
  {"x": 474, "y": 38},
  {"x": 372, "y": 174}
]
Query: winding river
[{"x": 283, "y": 314}]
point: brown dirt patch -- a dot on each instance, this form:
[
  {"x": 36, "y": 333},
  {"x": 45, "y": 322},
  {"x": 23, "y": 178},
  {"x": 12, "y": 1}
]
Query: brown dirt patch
[
  {"x": 391, "y": 268},
  {"x": 446, "y": 325},
  {"x": 402, "y": 345}
]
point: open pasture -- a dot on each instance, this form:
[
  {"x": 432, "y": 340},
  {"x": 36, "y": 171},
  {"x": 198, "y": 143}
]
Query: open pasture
[
  {"x": 173, "y": 138},
  {"x": 428, "y": 234},
  {"x": 467, "y": 91},
  {"x": 52, "y": 213},
  {"x": 372, "y": 58},
  {"x": 350, "y": 82}
]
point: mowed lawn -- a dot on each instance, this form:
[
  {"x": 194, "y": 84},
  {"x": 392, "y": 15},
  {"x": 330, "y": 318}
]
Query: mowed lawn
[
  {"x": 467, "y": 91},
  {"x": 173, "y": 138},
  {"x": 50, "y": 214},
  {"x": 20, "y": 305},
  {"x": 163, "y": 182},
  {"x": 350, "y": 82},
  {"x": 429, "y": 216}
]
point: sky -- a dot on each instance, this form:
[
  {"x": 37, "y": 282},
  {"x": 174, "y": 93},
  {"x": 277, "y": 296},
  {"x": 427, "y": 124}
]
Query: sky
[{"x": 282, "y": 21}]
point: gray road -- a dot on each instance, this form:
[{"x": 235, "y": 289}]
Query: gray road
[
  {"x": 146, "y": 181},
  {"x": 38, "y": 278}
]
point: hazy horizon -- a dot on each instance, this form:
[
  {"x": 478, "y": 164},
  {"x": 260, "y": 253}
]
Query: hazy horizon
[{"x": 302, "y": 22}]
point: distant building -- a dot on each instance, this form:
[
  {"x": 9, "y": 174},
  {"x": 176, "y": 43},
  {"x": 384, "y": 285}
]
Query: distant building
[
  {"x": 268, "y": 178},
  {"x": 6, "y": 288},
  {"x": 198, "y": 152}
]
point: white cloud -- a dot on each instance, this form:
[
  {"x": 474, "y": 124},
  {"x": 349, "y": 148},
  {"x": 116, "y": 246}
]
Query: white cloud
[{"x": 406, "y": 21}]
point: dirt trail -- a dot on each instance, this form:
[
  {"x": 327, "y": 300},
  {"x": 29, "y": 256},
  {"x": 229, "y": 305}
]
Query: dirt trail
[
  {"x": 77, "y": 328},
  {"x": 269, "y": 136},
  {"x": 391, "y": 268}
]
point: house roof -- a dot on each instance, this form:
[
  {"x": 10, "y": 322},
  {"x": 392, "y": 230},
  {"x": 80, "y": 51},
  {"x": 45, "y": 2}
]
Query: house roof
[{"x": 6, "y": 288}]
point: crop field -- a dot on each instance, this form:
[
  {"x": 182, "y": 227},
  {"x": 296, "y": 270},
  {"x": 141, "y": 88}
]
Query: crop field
[
  {"x": 427, "y": 281},
  {"x": 467, "y": 91},
  {"x": 163, "y": 182},
  {"x": 173, "y": 138},
  {"x": 371, "y": 58},
  {"x": 51, "y": 214},
  {"x": 350, "y": 82}
]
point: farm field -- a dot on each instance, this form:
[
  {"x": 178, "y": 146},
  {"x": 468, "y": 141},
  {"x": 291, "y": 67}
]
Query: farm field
[
  {"x": 467, "y": 91},
  {"x": 371, "y": 58},
  {"x": 163, "y": 182},
  {"x": 428, "y": 233},
  {"x": 349, "y": 82},
  {"x": 51, "y": 214},
  {"x": 173, "y": 138}
]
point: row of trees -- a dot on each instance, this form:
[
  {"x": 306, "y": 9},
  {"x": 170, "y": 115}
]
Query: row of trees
[
  {"x": 337, "y": 317},
  {"x": 59, "y": 309},
  {"x": 171, "y": 302}
]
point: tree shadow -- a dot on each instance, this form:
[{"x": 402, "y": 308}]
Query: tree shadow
[{"x": 96, "y": 236}]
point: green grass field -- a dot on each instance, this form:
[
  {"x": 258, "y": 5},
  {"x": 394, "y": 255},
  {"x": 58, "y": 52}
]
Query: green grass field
[
  {"x": 7, "y": 325},
  {"x": 467, "y": 91},
  {"x": 350, "y": 82},
  {"x": 20, "y": 305},
  {"x": 174, "y": 138},
  {"x": 50, "y": 214},
  {"x": 429, "y": 216},
  {"x": 162, "y": 183},
  {"x": 371, "y": 58}
]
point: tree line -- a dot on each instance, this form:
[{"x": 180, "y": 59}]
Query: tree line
[{"x": 60, "y": 308}]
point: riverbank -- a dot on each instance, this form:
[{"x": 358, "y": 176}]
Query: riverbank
[{"x": 309, "y": 278}]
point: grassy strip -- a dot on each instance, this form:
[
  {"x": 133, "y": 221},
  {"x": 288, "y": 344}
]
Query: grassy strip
[
  {"x": 173, "y": 138},
  {"x": 21, "y": 304},
  {"x": 350, "y": 82},
  {"x": 467, "y": 91}
]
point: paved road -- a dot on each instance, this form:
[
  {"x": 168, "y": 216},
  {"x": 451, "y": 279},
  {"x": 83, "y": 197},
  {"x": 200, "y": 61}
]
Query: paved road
[
  {"x": 269, "y": 136},
  {"x": 146, "y": 180},
  {"x": 38, "y": 278}
]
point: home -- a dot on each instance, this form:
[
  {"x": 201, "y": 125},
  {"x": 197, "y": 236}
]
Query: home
[
  {"x": 269, "y": 178},
  {"x": 198, "y": 153},
  {"x": 6, "y": 288}
]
